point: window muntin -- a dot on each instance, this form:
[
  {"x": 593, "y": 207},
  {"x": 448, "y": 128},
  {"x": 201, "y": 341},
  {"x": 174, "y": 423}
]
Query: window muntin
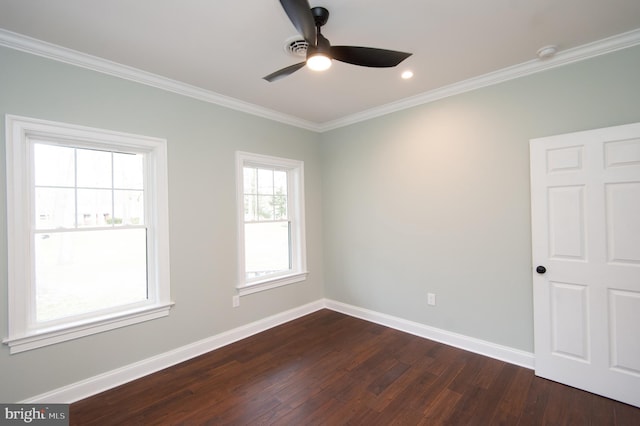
[
  {"x": 80, "y": 188},
  {"x": 271, "y": 221}
]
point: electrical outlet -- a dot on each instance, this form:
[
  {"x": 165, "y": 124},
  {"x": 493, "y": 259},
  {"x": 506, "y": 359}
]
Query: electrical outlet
[
  {"x": 235, "y": 301},
  {"x": 431, "y": 299}
]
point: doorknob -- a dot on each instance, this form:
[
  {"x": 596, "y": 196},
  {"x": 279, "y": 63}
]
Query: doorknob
[{"x": 541, "y": 269}]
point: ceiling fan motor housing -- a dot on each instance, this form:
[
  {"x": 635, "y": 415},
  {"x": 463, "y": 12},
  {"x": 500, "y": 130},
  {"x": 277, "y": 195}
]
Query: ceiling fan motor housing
[
  {"x": 323, "y": 46},
  {"x": 320, "y": 15}
]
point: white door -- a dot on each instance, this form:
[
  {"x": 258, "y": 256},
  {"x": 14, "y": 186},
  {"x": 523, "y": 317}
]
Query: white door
[{"x": 585, "y": 207}]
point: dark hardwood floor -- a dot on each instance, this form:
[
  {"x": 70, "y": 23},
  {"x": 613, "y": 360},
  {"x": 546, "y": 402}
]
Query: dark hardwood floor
[{"x": 331, "y": 369}]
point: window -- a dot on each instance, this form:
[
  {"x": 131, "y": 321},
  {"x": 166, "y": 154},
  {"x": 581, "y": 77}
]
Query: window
[
  {"x": 271, "y": 222},
  {"x": 88, "y": 231}
]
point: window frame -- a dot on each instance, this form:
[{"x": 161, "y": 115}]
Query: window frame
[
  {"x": 21, "y": 134},
  {"x": 296, "y": 216}
]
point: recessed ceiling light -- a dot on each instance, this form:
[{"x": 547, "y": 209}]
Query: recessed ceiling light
[
  {"x": 547, "y": 51},
  {"x": 407, "y": 75}
]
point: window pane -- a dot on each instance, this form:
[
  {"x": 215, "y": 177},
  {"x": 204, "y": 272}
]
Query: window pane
[
  {"x": 94, "y": 168},
  {"x": 250, "y": 208},
  {"x": 265, "y": 181},
  {"x": 266, "y": 248},
  {"x": 55, "y": 208},
  {"x": 250, "y": 176},
  {"x": 94, "y": 207},
  {"x": 128, "y": 171},
  {"x": 54, "y": 165},
  {"x": 265, "y": 207},
  {"x": 128, "y": 208},
  {"x": 280, "y": 207},
  {"x": 81, "y": 272},
  {"x": 280, "y": 182}
]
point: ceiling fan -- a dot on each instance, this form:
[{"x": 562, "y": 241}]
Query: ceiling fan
[{"x": 308, "y": 22}]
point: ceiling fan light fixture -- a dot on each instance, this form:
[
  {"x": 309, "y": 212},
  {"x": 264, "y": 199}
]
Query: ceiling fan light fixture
[
  {"x": 319, "y": 56},
  {"x": 319, "y": 62}
]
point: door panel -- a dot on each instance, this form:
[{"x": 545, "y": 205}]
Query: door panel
[
  {"x": 622, "y": 153},
  {"x": 565, "y": 159},
  {"x": 585, "y": 207},
  {"x": 569, "y": 322},
  {"x": 623, "y": 223},
  {"x": 566, "y": 222},
  {"x": 624, "y": 319}
]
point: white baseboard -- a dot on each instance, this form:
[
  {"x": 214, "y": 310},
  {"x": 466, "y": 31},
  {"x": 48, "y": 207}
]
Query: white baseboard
[
  {"x": 102, "y": 382},
  {"x": 471, "y": 344}
]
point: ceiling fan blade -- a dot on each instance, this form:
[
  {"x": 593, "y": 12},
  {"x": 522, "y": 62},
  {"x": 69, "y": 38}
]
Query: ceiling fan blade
[
  {"x": 368, "y": 56},
  {"x": 284, "y": 72},
  {"x": 299, "y": 13}
]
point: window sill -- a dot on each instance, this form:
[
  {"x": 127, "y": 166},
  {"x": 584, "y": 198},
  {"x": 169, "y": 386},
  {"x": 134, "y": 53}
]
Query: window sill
[
  {"x": 40, "y": 338},
  {"x": 270, "y": 283}
]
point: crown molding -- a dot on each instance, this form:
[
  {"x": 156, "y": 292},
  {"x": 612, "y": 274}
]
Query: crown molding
[
  {"x": 51, "y": 51},
  {"x": 580, "y": 53},
  {"x": 62, "y": 54}
]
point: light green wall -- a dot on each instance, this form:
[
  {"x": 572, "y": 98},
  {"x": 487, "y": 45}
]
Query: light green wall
[
  {"x": 202, "y": 139},
  {"x": 436, "y": 198}
]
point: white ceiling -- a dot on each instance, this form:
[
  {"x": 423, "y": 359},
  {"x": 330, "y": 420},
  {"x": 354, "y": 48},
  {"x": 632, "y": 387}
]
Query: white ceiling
[{"x": 227, "y": 46}]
